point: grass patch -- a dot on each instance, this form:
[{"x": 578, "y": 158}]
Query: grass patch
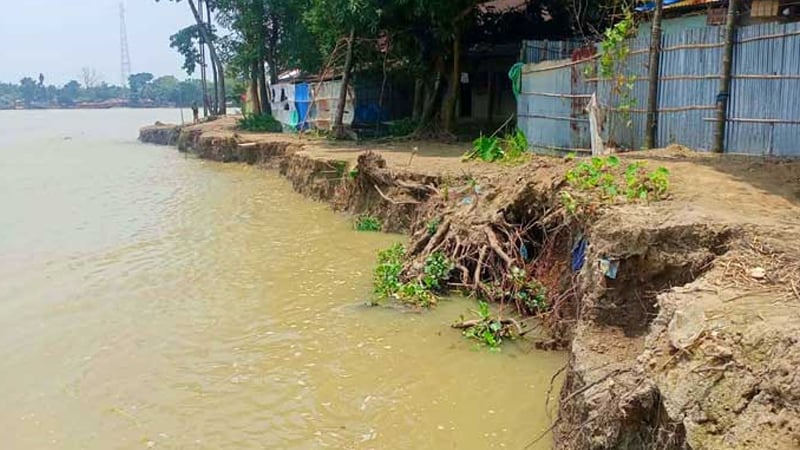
[
  {"x": 264, "y": 123},
  {"x": 368, "y": 223}
]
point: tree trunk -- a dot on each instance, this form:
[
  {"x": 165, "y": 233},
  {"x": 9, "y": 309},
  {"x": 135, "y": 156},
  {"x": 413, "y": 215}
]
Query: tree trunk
[
  {"x": 215, "y": 100},
  {"x": 338, "y": 127},
  {"x": 272, "y": 58},
  {"x": 254, "y": 77},
  {"x": 214, "y": 58},
  {"x": 655, "y": 66},
  {"x": 432, "y": 99},
  {"x": 725, "y": 82},
  {"x": 261, "y": 56},
  {"x": 418, "y": 100},
  {"x": 449, "y": 113},
  {"x": 262, "y": 86}
]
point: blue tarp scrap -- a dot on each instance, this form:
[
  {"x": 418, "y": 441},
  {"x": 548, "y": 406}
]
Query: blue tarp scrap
[
  {"x": 609, "y": 267},
  {"x": 523, "y": 251},
  {"x": 579, "y": 254}
]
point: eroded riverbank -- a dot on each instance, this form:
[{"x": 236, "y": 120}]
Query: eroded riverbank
[{"x": 684, "y": 346}]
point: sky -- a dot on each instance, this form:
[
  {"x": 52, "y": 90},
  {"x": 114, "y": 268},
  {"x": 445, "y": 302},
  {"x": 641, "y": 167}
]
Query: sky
[{"x": 59, "y": 37}]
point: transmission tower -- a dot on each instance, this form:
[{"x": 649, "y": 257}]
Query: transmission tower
[{"x": 125, "y": 56}]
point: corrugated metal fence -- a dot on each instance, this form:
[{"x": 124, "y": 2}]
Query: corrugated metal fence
[{"x": 764, "y": 107}]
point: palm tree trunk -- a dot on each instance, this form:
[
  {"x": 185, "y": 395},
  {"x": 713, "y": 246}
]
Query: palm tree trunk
[{"x": 214, "y": 58}]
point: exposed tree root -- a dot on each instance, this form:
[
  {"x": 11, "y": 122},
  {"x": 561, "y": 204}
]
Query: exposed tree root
[{"x": 508, "y": 244}]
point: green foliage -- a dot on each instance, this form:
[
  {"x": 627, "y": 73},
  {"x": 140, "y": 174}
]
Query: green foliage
[
  {"x": 643, "y": 185},
  {"x": 402, "y": 127},
  {"x": 599, "y": 179},
  {"x": 386, "y": 276},
  {"x": 515, "y": 145},
  {"x": 485, "y": 148},
  {"x": 144, "y": 91},
  {"x": 368, "y": 223},
  {"x": 388, "y": 283},
  {"x": 416, "y": 293},
  {"x": 509, "y": 148},
  {"x": 595, "y": 175},
  {"x": 487, "y": 330},
  {"x": 436, "y": 270},
  {"x": 529, "y": 292},
  {"x": 613, "y": 55},
  {"x": 353, "y": 173},
  {"x": 264, "y": 123},
  {"x": 433, "y": 225}
]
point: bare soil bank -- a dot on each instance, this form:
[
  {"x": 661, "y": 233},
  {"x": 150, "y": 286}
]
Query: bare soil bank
[{"x": 694, "y": 343}]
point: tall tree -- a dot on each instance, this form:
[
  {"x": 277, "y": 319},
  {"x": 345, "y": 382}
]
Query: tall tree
[
  {"x": 89, "y": 77},
  {"x": 28, "y": 87},
  {"x": 208, "y": 36}
]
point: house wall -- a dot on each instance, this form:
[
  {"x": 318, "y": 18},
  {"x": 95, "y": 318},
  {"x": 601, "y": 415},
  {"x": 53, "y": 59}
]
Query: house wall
[{"x": 764, "y": 102}]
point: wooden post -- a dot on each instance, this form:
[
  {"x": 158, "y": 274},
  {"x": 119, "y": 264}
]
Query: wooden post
[
  {"x": 725, "y": 82},
  {"x": 655, "y": 68}
]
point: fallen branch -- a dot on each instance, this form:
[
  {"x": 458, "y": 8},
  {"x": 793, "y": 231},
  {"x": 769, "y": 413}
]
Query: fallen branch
[{"x": 475, "y": 322}]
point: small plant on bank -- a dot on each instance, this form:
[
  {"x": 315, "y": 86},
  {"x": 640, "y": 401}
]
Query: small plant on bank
[
  {"x": 643, "y": 185},
  {"x": 529, "y": 291},
  {"x": 510, "y": 148},
  {"x": 422, "y": 292},
  {"x": 599, "y": 179},
  {"x": 515, "y": 145},
  {"x": 386, "y": 276},
  {"x": 264, "y": 123},
  {"x": 485, "y": 328},
  {"x": 368, "y": 223},
  {"x": 436, "y": 271},
  {"x": 353, "y": 173},
  {"x": 433, "y": 226},
  {"x": 485, "y": 148}
]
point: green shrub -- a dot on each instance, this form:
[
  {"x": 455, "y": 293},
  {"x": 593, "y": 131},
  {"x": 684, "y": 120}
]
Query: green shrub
[
  {"x": 599, "y": 179},
  {"x": 487, "y": 330},
  {"x": 509, "y": 148},
  {"x": 262, "y": 123},
  {"x": 368, "y": 223},
  {"x": 386, "y": 276},
  {"x": 433, "y": 226},
  {"x": 436, "y": 270},
  {"x": 402, "y": 127},
  {"x": 388, "y": 283},
  {"x": 515, "y": 145}
]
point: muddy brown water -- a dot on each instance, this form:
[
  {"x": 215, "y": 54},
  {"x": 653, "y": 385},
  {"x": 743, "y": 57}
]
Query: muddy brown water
[{"x": 149, "y": 300}]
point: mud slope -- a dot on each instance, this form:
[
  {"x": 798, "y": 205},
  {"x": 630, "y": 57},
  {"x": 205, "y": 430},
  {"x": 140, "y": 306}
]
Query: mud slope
[{"x": 692, "y": 343}]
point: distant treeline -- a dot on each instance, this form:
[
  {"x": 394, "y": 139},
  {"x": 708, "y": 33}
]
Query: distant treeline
[{"x": 143, "y": 90}]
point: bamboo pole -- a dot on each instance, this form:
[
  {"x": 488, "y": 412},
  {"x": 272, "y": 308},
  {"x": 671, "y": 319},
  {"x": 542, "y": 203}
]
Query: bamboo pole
[
  {"x": 725, "y": 82},
  {"x": 655, "y": 68}
]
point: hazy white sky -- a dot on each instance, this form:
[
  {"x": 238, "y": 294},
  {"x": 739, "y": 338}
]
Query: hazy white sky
[{"x": 59, "y": 37}]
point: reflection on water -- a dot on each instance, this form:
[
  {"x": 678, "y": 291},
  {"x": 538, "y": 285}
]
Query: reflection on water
[{"x": 147, "y": 300}]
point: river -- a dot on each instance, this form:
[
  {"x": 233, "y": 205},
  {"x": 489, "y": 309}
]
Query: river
[{"x": 148, "y": 300}]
